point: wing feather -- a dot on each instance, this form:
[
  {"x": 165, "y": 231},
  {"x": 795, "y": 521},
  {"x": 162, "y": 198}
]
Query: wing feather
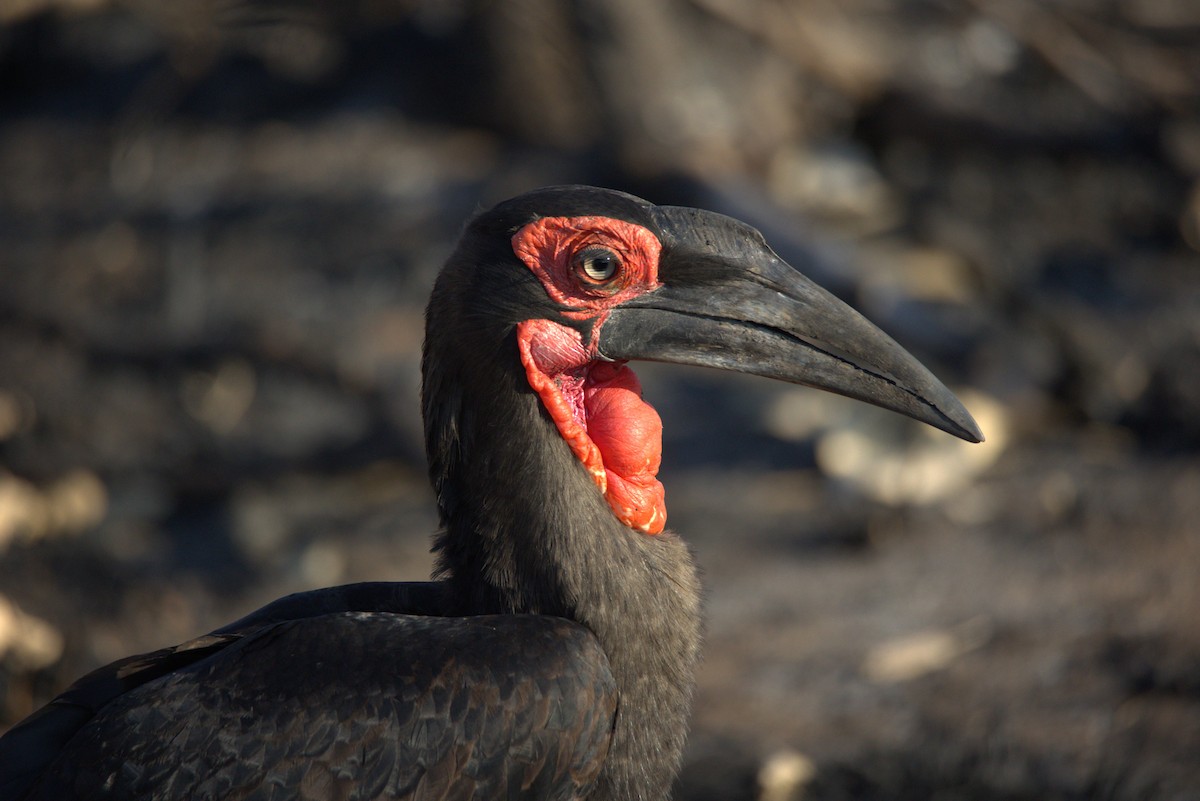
[{"x": 355, "y": 705}]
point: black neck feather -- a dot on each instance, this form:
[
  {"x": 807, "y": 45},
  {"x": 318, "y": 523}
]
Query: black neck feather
[{"x": 524, "y": 530}]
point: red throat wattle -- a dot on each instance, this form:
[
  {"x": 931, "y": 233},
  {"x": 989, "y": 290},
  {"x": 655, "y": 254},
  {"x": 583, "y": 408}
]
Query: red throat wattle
[
  {"x": 598, "y": 409},
  {"x": 596, "y": 405}
]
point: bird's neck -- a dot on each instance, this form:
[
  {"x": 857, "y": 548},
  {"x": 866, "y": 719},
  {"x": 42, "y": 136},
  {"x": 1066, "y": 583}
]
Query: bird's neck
[{"x": 525, "y": 530}]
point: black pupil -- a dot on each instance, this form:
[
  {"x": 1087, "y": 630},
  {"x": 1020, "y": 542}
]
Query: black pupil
[{"x": 599, "y": 265}]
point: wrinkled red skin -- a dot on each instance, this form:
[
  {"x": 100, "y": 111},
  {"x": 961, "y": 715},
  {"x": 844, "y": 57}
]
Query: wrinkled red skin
[{"x": 596, "y": 405}]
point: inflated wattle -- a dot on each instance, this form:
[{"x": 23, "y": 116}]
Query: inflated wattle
[
  {"x": 598, "y": 410},
  {"x": 628, "y": 433}
]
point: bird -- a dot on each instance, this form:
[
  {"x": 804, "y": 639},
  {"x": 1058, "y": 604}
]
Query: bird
[{"x": 552, "y": 654}]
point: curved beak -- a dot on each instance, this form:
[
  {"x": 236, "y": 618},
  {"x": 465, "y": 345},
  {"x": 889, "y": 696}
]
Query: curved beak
[{"x": 728, "y": 301}]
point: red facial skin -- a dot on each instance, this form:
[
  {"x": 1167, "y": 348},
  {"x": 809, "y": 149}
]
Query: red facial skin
[{"x": 596, "y": 405}]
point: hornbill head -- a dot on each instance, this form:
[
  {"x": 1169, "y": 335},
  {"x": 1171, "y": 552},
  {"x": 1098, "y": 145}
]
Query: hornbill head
[{"x": 582, "y": 279}]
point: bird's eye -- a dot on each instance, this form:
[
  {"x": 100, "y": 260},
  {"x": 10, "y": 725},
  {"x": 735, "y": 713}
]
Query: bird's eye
[{"x": 597, "y": 265}]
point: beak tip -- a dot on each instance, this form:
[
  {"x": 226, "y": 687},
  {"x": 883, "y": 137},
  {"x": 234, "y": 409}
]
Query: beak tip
[{"x": 964, "y": 426}]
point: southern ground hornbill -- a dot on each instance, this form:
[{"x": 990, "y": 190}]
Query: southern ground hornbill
[{"x": 553, "y": 656}]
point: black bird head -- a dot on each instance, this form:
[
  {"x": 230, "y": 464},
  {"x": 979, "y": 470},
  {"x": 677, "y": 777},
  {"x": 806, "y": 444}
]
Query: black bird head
[{"x": 583, "y": 279}]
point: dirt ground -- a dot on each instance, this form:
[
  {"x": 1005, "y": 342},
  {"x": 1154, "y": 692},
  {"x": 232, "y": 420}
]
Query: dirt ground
[{"x": 219, "y": 222}]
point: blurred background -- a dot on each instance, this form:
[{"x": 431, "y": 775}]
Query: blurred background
[{"x": 219, "y": 222}]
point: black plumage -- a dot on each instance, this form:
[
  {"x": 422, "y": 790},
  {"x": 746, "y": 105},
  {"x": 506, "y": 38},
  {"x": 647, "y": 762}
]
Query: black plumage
[
  {"x": 553, "y": 656},
  {"x": 308, "y": 708}
]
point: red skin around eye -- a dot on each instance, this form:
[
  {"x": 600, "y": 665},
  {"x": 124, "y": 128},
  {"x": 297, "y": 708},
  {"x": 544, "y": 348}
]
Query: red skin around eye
[
  {"x": 548, "y": 245},
  {"x": 595, "y": 405}
]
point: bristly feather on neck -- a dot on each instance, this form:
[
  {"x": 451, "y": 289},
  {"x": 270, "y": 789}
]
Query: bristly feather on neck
[{"x": 526, "y": 530}]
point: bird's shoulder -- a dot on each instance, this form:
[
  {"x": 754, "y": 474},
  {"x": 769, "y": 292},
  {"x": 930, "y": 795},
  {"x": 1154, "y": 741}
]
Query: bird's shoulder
[{"x": 338, "y": 689}]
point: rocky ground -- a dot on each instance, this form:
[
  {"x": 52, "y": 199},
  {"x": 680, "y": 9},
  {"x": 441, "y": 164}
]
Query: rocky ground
[{"x": 219, "y": 222}]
